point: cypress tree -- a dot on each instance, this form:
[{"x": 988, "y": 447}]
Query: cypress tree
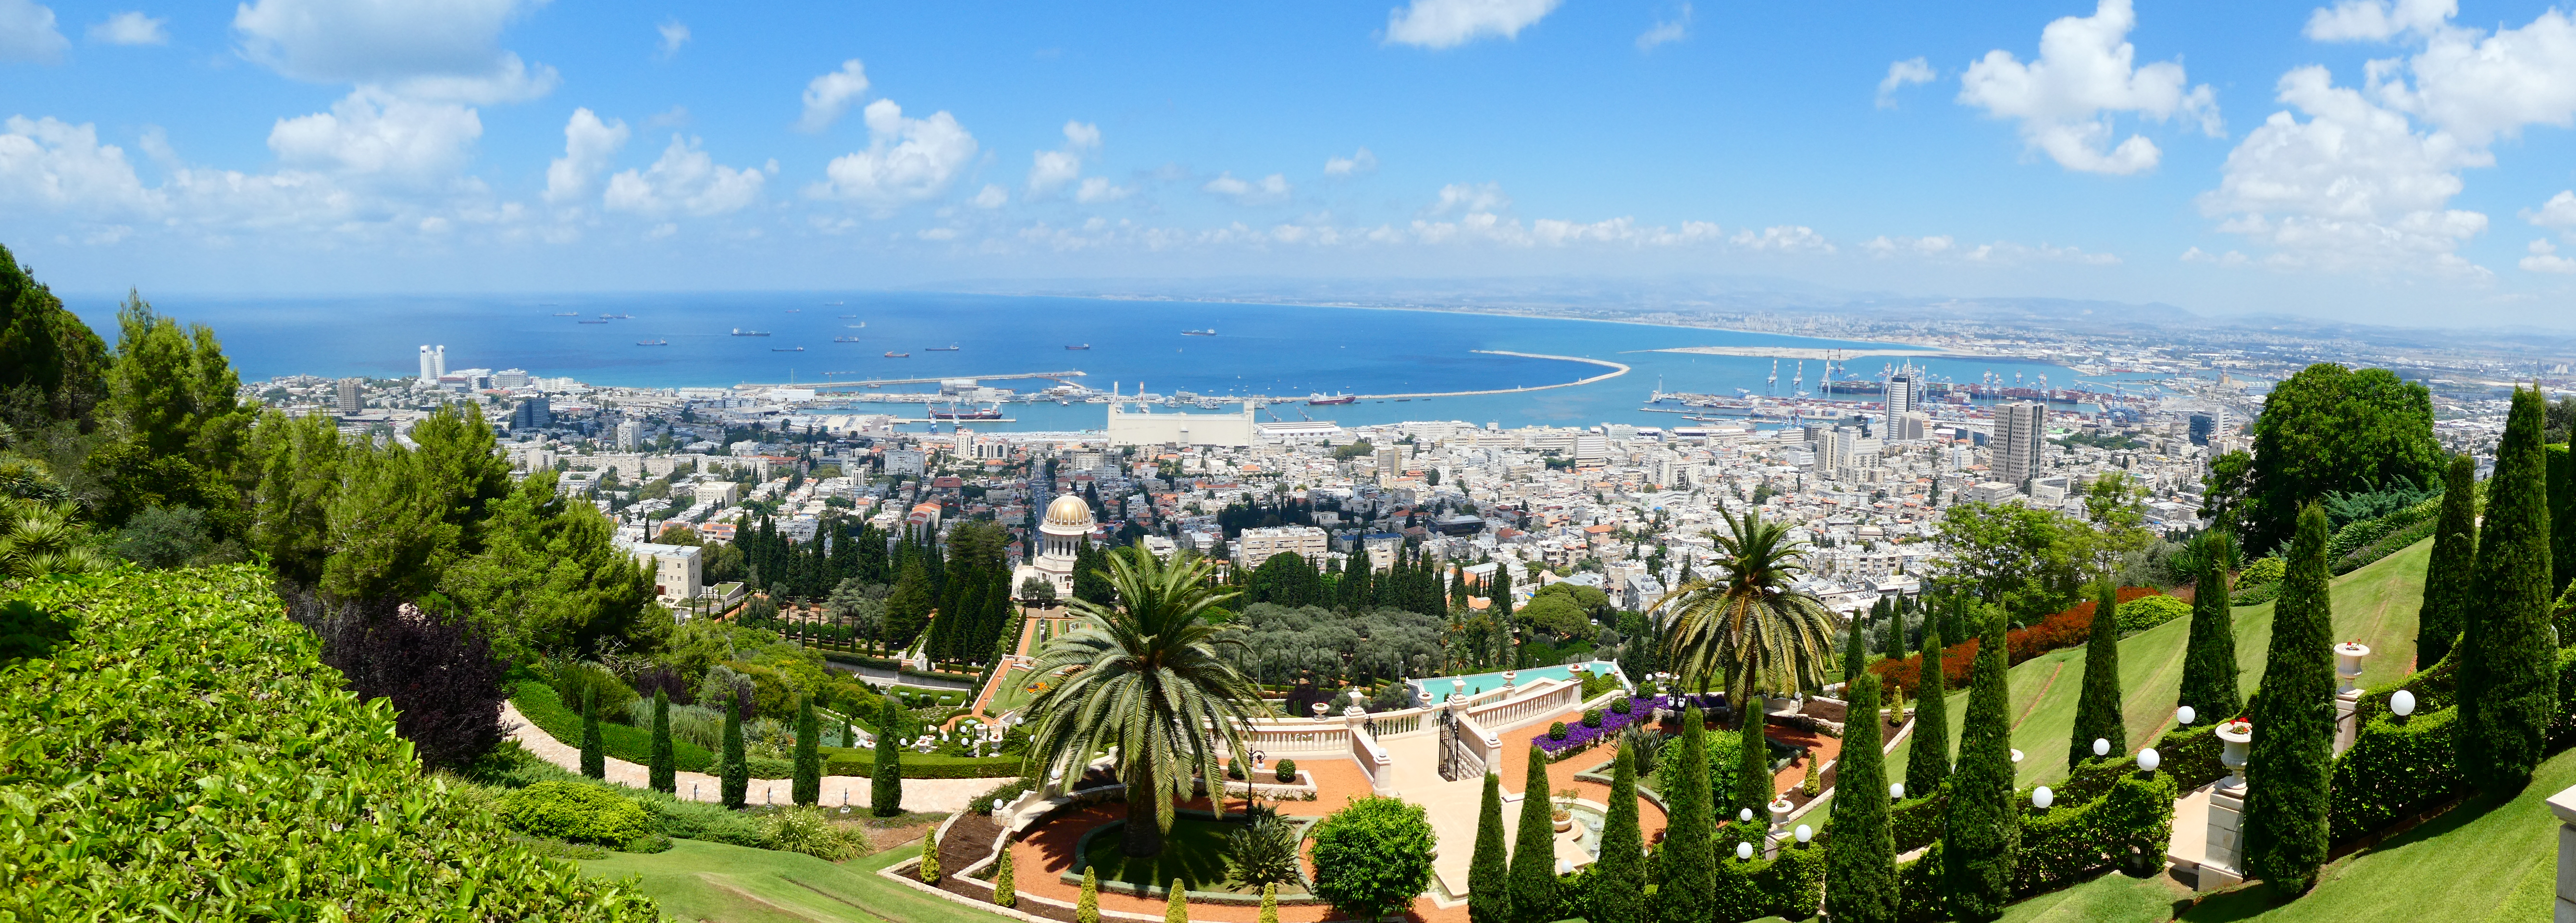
[
  {"x": 663, "y": 777},
  {"x": 1685, "y": 871},
  {"x": 2561, "y": 460},
  {"x": 1086, "y": 905},
  {"x": 2508, "y": 684},
  {"x": 808, "y": 785},
  {"x": 1006, "y": 890},
  {"x": 1533, "y": 885},
  {"x": 1982, "y": 829},
  {"x": 2209, "y": 670},
  {"x": 1753, "y": 766},
  {"x": 1860, "y": 860},
  {"x": 1895, "y": 632},
  {"x": 594, "y": 753},
  {"x": 929, "y": 870},
  {"x": 885, "y": 793},
  {"x": 2289, "y": 768},
  {"x": 1176, "y": 909},
  {"x": 1854, "y": 655},
  {"x": 2449, "y": 576},
  {"x": 733, "y": 768},
  {"x": 1489, "y": 876},
  {"x": 1927, "y": 764},
  {"x": 2097, "y": 707},
  {"x": 1618, "y": 880}
]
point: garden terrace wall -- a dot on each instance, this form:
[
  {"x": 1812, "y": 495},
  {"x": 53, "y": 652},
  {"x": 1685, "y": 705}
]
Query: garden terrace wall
[{"x": 196, "y": 753}]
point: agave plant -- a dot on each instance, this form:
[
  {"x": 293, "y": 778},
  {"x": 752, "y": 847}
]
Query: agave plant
[
  {"x": 39, "y": 539},
  {"x": 1746, "y": 627},
  {"x": 1645, "y": 741}
]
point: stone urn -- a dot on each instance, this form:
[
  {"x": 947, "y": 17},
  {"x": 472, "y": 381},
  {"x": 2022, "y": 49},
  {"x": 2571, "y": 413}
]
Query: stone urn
[
  {"x": 1564, "y": 820},
  {"x": 2348, "y": 657},
  {"x": 2234, "y": 737}
]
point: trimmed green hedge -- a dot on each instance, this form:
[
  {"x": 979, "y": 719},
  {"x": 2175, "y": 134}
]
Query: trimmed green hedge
[
  {"x": 1918, "y": 889},
  {"x": 576, "y": 812},
  {"x": 840, "y": 762},
  {"x": 2147, "y": 612},
  {"x": 2394, "y": 770},
  {"x": 1917, "y": 821},
  {"x": 2389, "y": 544},
  {"x": 537, "y": 701},
  {"x": 187, "y": 753},
  {"x": 1790, "y": 886},
  {"x": 2131, "y": 825}
]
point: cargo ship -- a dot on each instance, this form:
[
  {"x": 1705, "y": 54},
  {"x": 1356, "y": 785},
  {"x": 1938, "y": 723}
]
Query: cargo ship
[
  {"x": 787, "y": 349},
  {"x": 567, "y": 314},
  {"x": 1319, "y": 400},
  {"x": 652, "y": 342},
  {"x": 895, "y": 355},
  {"x": 589, "y": 321},
  {"x": 737, "y": 331},
  {"x": 845, "y": 339},
  {"x": 1209, "y": 332},
  {"x": 989, "y": 413},
  {"x": 1083, "y": 346}
]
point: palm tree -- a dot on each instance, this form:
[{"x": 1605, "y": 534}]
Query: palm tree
[
  {"x": 1745, "y": 627},
  {"x": 1146, "y": 676}
]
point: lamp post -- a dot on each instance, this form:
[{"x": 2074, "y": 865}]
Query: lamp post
[
  {"x": 2401, "y": 703},
  {"x": 2185, "y": 715},
  {"x": 2041, "y": 797}
]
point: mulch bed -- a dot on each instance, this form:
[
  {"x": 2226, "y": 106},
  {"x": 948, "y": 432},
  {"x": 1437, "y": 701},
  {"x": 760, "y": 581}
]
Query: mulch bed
[{"x": 968, "y": 842}]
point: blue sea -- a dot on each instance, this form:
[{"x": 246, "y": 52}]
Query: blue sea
[{"x": 1279, "y": 350}]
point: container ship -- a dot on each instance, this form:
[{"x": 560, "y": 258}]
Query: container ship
[
  {"x": 1319, "y": 400},
  {"x": 787, "y": 349},
  {"x": 989, "y": 413},
  {"x": 845, "y": 339}
]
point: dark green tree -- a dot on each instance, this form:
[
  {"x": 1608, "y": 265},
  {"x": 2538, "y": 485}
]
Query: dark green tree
[
  {"x": 662, "y": 776},
  {"x": 908, "y": 605},
  {"x": 1489, "y": 871},
  {"x": 1927, "y": 763},
  {"x": 2508, "y": 684},
  {"x": 1855, "y": 654},
  {"x": 2209, "y": 669},
  {"x": 885, "y": 793},
  {"x": 732, "y": 767},
  {"x": 52, "y": 366},
  {"x": 1617, "y": 883},
  {"x": 1860, "y": 861},
  {"x": 808, "y": 784},
  {"x": 1685, "y": 873},
  {"x": 2288, "y": 771},
  {"x": 1753, "y": 767},
  {"x": 1982, "y": 829},
  {"x": 2097, "y": 706},
  {"x": 2331, "y": 429},
  {"x": 594, "y": 753},
  {"x": 2450, "y": 578},
  {"x": 1534, "y": 849},
  {"x": 2561, "y": 461}
]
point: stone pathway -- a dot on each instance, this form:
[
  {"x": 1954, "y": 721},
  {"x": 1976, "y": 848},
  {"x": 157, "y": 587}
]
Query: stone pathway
[{"x": 939, "y": 795}]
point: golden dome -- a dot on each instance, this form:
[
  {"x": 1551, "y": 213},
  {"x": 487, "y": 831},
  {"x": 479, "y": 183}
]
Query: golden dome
[{"x": 1070, "y": 512}]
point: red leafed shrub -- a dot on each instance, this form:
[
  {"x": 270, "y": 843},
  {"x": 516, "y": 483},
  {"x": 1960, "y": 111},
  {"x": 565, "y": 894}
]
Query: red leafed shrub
[{"x": 2065, "y": 629}]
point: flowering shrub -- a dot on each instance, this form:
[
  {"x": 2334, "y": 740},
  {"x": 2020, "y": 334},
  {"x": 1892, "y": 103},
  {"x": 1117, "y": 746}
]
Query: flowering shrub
[
  {"x": 1592, "y": 717},
  {"x": 1623, "y": 712},
  {"x": 2070, "y": 628}
]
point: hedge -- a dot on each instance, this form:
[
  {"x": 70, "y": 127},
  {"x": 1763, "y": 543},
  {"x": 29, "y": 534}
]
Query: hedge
[
  {"x": 2389, "y": 544},
  {"x": 918, "y": 766},
  {"x": 2394, "y": 770},
  {"x": 2129, "y": 826},
  {"x": 1917, "y": 821},
  {"x": 196, "y": 754},
  {"x": 581, "y": 813},
  {"x": 2069, "y": 628},
  {"x": 2351, "y": 545},
  {"x": 537, "y": 702},
  {"x": 2150, "y": 611},
  {"x": 1790, "y": 886},
  {"x": 1919, "y": 891}
]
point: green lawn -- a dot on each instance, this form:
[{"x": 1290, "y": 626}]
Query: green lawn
[
  {"x": 2375, "y": 604},
  {"x": 1011, "y": 692},
  {"x": 733, "y": 884}
]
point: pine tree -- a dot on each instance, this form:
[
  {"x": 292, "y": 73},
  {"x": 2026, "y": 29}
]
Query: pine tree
[
  {"x": 733, "y": 769},
  {"x": 1489, "y": 875},
  {"x": 885, "y": 792},
  {"x": 1534, "y": 849},
  {"x": 1618, "y": 881},
  {"x": 1927, "y": 763},
  {"x": 2209, "y": 671},
  {"x": 808, "y": 786},
  {"x": 1753, "y": 767},
  {"x": 2508, "y": 680},
  {"x": 2450, "y": 576},
  {"x": 1006, "y": 889},
  {"x": 1685, "y": 871},
  {"x": 1860, "y": 860},
  {"x": 1983, "y": 827},
  {"x": 2097, "y": 707},
  {"x": 1086, "y": 906},
  {"x": 594, "y": 753},
  {"x": 663, "y": 776},
  {"x": 2287, "y": 772}
]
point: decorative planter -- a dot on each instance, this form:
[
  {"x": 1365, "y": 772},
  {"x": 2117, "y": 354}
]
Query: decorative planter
[
  {"x": 2234, "y": 737},
  {"x": 1564, "y": 821},
  {"x": 2348, "y": 665}
]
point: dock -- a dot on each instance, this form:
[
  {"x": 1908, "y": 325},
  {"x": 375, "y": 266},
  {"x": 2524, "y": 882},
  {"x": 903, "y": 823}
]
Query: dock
[
  {"x": 1616, "y": 370},
  {"x": 929, "y": 380}
]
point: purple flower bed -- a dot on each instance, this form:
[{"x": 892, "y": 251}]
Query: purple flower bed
[{"x": 1578, "y": 737}]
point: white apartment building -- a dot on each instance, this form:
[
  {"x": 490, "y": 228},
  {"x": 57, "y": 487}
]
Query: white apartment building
[{"x": 1257, "y": 545}]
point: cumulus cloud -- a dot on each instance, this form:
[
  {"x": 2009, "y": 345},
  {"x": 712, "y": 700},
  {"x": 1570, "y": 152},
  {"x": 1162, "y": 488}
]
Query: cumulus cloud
[
  {"x": 51, "y": 165},
  {"x": 1051, "y": 170},
  {"x": 1471, "y": 198},
  {"x": 2354, "y": 185},
  {"x": 383, "y": 137},
  {"x": 2542, "y": 256},
  {"x": 2483, "y": 87},
  {"x": 1785, "y": 238},
  {"x": 2086, "y": 72},
  {"x": 130, "y": 28},
  {"x": 1665, "y": 31},
  {"x": 1268, "y": 190},
  {"x": 27, "y": 33},
  {"x": 2559, "y": 212},
  {"x": 830, "y": 95},
  {"x": 1357, "y": 163},
  {"x": 684, "y": 180},
  {"x": 907, "y": 160},
  {"x": 427, "y": 49},
  {"x": 2378, "y": 20},
  {"x": 1947, "y": 249},
  {"x": 1450, "y": 23},
  {"x": 1096, "y": 189},
  {"x": 588, "y": 144},
  {"x": 993, "y": 196},
  {"x": 2229, "y": 258},
  {"x": 1900, "y": 74},
  {"x": 674, "y": 34}
]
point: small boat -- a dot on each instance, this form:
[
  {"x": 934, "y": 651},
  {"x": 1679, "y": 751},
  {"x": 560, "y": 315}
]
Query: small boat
[
  {"x": 950, "y": 348},
  {"x": 1209, "y": 332},
  {"x": 1083, "y": 346},
  {"x": 589, "y": 321},
  {"x": 787, "y": 349},
  {"x": 894, "y": 355},
  {"x": 567, "y": 314},
  {"x": 737, "y": 331},
  {"x": 848, "y": 316},
  {"x": 1322, "y": 401},
  {"x": 845, "y": 339},
  {"x": 652, "y": 342}
]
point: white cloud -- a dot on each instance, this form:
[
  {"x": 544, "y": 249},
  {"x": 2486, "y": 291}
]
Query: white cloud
[
  {"x": 2085, "y": 73},
  {"x": 131, "y": 28},
  {"x": 429, "y": 49},
  {"x": 51, "y": 165},
  {"x": 1268, "y": 190},
  {"x": 2378, "y": 20},
  {"x": 27, "y": 33},
  {"x": 588, "y": 143},
  {"x": 372, "y": 134},
  {"x": 1050, "y": 170},
  {"x": 1786, "y": 238},
  {"x": 685, "y": 180},
  {"x": 907, "y": 160},
  {"x": 993, "y": 196},
  {"x": 1360, "y": 162},
  {"x": 2544, "y": 258},
  {"x": 827, "y": 96},
  {"x": 2559, "y": 212},
  {"x": 1666, "y": 30},
  {"x": 1096, "y": 189},
  {"x": 1946, "y": 249},
  {"x": 674, "y": 34},
  {"x": 2229, "y": 258},
  {"x": 1901, "y": 73},
  {"x": 2483, "y": 87},
  {"x": 2353, "y": 186},
  {"x": 1450, "y": 23},
  {"x": 1466, "y": 197}
]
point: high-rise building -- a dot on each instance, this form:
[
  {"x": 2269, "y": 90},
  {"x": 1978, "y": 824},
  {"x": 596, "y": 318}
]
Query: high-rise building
[
  {"x": 1912, "y": 425},
  {"x": 2020, "y": 431},
  {"x": 2206, "y": 427},
  {"x": 1390, "y": 464},
  {"x": 1904, "y": 395},
  {"x": 630, "y": 433},
  {"x": 349, "y": 399},
  {"x": 532, "y": 413},
  {"x": 428, "y": 369},
  {"x": 511, "y": 379}
]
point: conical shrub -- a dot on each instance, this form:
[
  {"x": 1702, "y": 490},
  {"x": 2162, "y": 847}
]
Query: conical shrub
[
  {"x": 2209, "y": 670},
  {"x": 1927, "y": 761},
  {"x": 2450, "y": 578},
  {"x": 2288, "y": 768},
  {"x": 2508, "y": 687},
  {"x": 1489, "y": 870},
  {"x": 1533, "y": 884},
  {"x": 2097, "y": 706},
  {"x": 1982, "y": 829},
  {"x": 1860, "y": 859},
  {"x": 1686, "y": 868}
]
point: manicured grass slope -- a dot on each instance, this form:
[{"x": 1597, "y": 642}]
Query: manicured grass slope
[
  {"x": 2375, "y": 605},
  {"x": 731, "y": 884}
]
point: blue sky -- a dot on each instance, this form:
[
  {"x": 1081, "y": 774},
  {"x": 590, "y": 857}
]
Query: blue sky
[{"x": 2224, "y": 157}]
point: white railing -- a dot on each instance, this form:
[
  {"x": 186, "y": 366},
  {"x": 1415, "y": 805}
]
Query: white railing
[
  {"x": 1513, "y": 713},
  {"x": 1400, "y": 723},
  {"x": 1486, "y": 746},
  {"x": 1374, "y": 761},
  {"x": 1299, "y": 737}
]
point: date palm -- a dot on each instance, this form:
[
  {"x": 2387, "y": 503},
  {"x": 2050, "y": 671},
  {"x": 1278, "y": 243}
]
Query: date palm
[
  {"x": 1745, "y": 627},
  {"x": 1148, "y": 676}
]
